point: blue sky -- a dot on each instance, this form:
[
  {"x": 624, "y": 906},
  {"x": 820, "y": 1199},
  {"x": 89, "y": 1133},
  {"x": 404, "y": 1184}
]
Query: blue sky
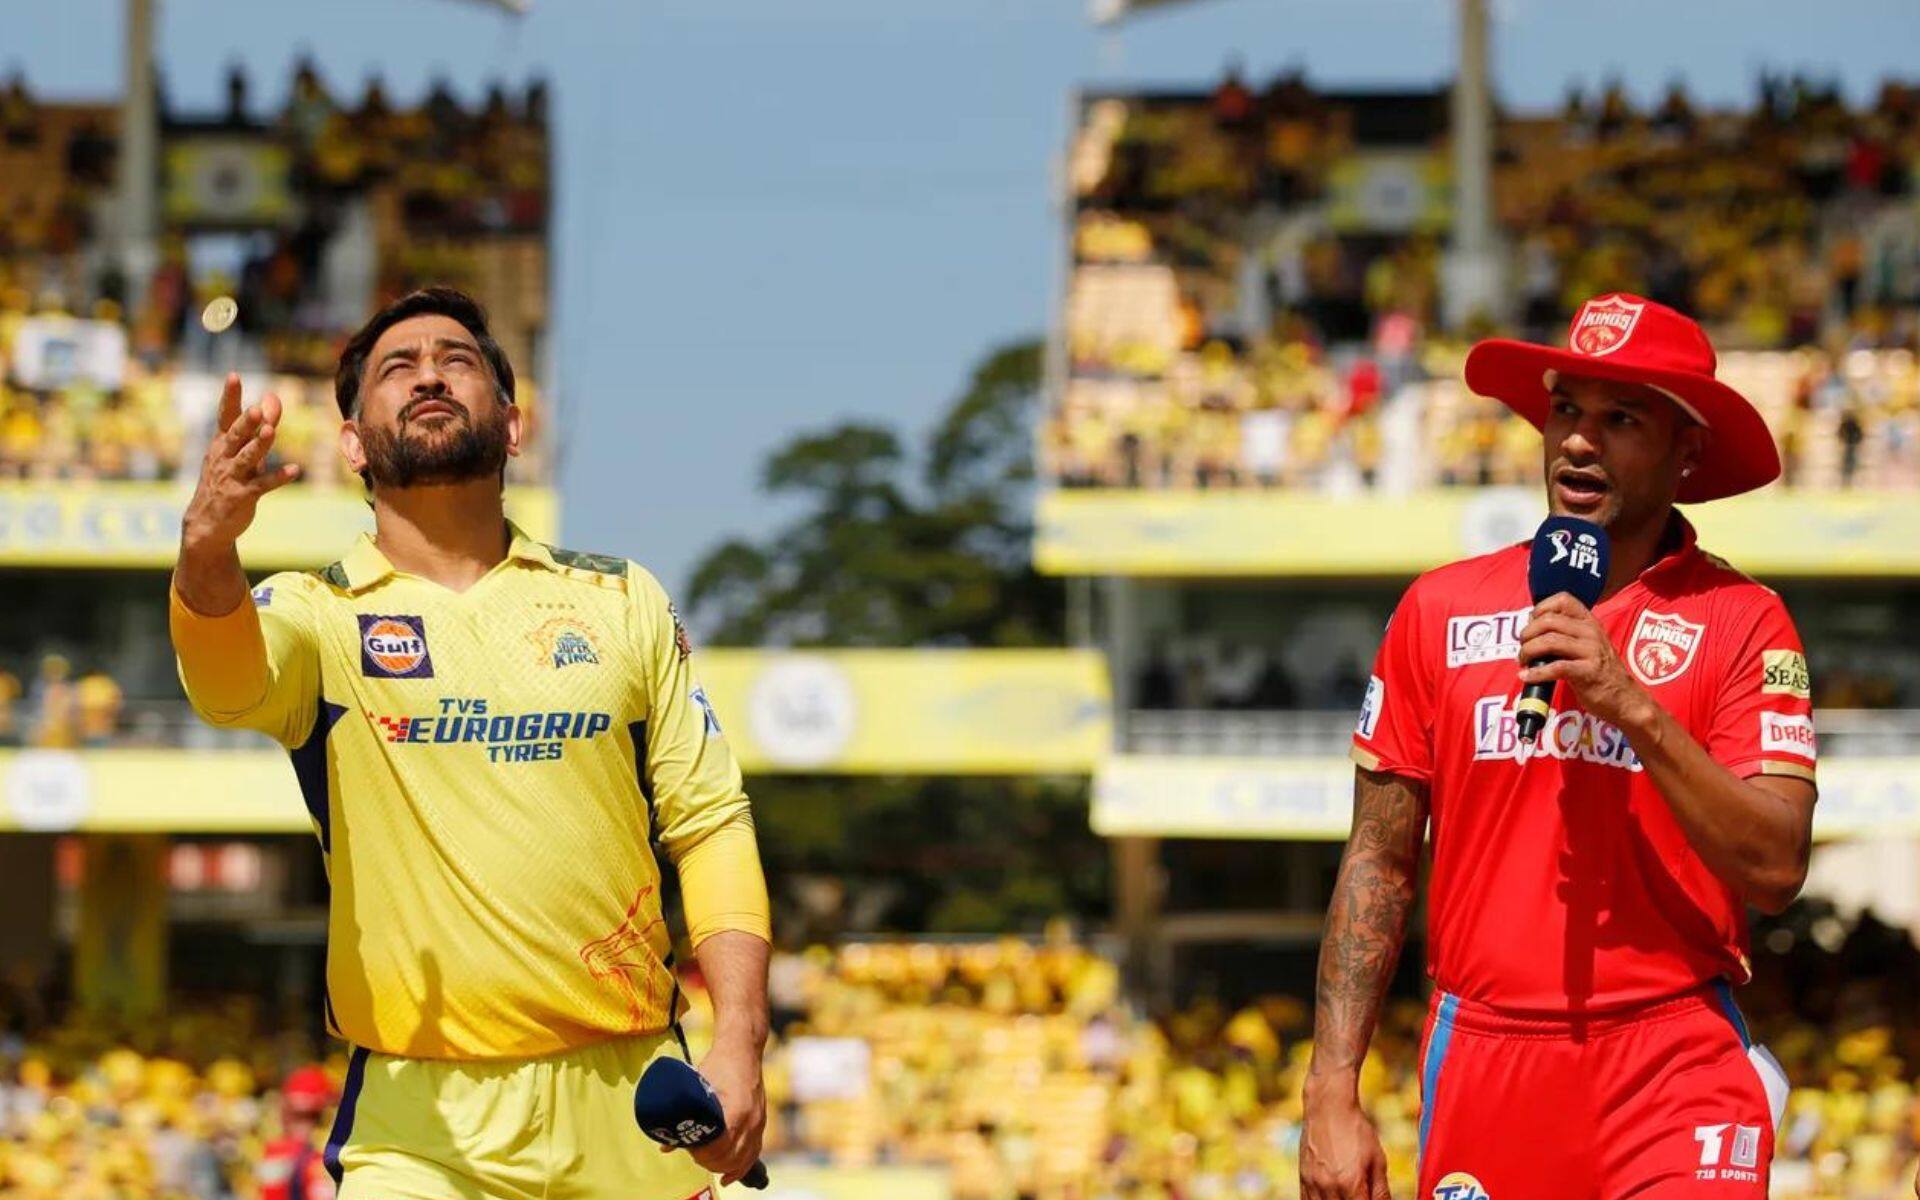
[{"x": 779, "y": 214}]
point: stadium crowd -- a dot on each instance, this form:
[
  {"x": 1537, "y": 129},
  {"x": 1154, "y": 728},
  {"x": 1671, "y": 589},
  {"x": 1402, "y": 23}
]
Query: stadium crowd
[
  {"x": 308, "y": 217},
  {"x": 56, "y": 709},
  {"x": 1013, "y": 1066},
  {"x": 1245, "y": 310}
]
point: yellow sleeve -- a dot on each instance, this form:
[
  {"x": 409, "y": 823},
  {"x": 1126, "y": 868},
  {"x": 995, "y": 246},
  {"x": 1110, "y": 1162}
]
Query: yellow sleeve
[
  {"x": 700, "y": 810},
  {"x": 257, "y": 667}
]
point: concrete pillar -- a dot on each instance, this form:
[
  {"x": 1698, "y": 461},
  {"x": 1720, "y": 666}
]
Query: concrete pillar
[
  {"x": 28, "y": 943},
  {"x": 1139, "y": 883},
  {"x": 120, "y": 953},
  {"x": 1472, "y": 271},
  {"x": 139, "y": 216}
]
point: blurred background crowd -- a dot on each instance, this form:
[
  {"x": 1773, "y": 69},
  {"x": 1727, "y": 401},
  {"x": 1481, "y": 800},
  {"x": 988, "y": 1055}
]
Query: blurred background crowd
[
  {"x": 1255, "y": 292},
  {"x": 306, "y": 216},
  {"x": 1015, "y": 1065}
]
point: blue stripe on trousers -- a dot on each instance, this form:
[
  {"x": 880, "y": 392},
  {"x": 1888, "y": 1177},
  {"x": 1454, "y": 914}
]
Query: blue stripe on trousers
[
  {"x": 1436, "y": 1055},
  {"x": 343, "y": 1120}
]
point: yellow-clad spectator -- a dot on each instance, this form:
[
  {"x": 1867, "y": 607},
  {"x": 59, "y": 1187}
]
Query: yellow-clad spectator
[
  {"x": 10, "y": 692},
  {"x": 97, "y": 698},
  {"x": 54, "y": 712}
]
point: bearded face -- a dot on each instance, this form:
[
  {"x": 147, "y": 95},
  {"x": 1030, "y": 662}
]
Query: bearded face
[
  {"x": 432, "y": 441},
  {"x": 431, "y": 412}
]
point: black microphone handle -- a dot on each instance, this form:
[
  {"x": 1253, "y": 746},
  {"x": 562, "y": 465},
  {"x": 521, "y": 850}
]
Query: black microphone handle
[
  {"x": 756, "y": 1177},
  {"x": 1536, "y": 701}
]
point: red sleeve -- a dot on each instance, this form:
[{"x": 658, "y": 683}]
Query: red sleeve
[
  {"x": 1395, "y": 730},
  {"x": 1762, "y": 721}
]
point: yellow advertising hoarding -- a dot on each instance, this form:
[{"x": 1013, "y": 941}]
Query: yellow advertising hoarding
[
  {"x": 944, "y": 712},
  {"x": 1255, "y": 533},
  {"x": 138, "y": 524},
  {"x": 934, "y": 712},
  {"x": 1311, "y": 799}
]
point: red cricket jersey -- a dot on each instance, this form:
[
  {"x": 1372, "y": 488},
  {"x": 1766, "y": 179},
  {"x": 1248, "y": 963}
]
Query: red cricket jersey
[{"x": 1561, "y": 881}]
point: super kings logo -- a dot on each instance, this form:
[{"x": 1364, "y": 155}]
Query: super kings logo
[
  {"x": 1485, "y": 637},
  {"x": 1572, "y": 735},
  {"x": 1662, "y": 647},
  {"x": 1604, "y": 325}
]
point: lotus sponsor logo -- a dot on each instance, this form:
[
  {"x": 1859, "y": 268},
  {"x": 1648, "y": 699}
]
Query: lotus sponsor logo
[
  {"x": 1485, "y": 637},
  {"x": 1573, "y": 736}
]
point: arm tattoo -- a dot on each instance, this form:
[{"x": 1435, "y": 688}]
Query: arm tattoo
[{"x": 1367, "y": 921}]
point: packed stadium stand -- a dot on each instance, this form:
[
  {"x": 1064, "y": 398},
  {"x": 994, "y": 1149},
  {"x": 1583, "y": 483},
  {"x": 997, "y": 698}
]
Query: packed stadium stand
[
  {"x": 1014, "y": 1068},
  {"x": 1253, "y": 294}
]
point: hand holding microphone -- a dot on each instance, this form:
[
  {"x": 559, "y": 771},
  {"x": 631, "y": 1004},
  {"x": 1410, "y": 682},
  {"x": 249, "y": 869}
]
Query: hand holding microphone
[
  {"x": 676, "y": 1107},
  {"x": 1569, "y": 556}
]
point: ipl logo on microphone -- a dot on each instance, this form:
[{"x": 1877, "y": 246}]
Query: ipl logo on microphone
[{"x": 1580, "y": 551}]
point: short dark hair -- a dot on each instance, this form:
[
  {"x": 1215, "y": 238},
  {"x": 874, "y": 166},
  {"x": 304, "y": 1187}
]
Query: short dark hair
[{"x": 428, "y": 301}]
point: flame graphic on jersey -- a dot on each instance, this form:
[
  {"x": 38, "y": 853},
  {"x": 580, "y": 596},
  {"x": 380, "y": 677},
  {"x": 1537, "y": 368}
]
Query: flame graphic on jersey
[{"x": 616, "y": 958}]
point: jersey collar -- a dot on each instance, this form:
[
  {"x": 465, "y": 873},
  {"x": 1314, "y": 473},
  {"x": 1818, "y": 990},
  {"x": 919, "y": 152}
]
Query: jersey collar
[
  {"x": 1672, "y": 560},
  {"x": 366, "y": 566}
]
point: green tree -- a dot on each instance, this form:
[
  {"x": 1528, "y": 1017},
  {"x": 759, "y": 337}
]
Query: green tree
[{"x": 904, "y": 551}]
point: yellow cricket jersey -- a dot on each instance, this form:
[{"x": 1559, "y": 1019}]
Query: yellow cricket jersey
[{"x": 487, "y": 772}]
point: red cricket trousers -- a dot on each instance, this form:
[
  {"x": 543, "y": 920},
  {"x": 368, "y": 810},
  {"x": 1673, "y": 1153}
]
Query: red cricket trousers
[{"x": 1668, "y": 1101}]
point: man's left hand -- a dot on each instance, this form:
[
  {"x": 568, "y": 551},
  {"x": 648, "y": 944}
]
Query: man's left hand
[
  {"x": 734, "y": 1071},
  {"x": 1564, "y": 630}
]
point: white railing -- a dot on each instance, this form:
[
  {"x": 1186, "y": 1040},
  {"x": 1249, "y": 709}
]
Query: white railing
[{"x": 1844, "y": 733}]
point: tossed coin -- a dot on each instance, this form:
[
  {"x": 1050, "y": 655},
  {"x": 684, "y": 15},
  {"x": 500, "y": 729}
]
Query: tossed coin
[{"x": 220, "y": 314}]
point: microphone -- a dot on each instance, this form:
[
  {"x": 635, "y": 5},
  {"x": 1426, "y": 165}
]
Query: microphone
[
  {"x": 1569, "y": 555},
  {"x": 675, "y": 1106}
]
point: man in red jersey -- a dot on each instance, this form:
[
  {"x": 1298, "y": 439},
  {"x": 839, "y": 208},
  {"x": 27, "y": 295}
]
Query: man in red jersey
[
  {"x": 291, "y": 1166},
  {"x": 1587, "y": 905}
]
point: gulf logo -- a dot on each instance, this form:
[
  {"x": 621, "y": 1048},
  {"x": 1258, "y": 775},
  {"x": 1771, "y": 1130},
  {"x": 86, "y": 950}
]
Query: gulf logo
[{"x": 394, "y": 647}]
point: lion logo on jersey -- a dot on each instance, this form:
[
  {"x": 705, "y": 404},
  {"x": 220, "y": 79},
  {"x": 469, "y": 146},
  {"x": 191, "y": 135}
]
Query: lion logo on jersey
[
  {"x": 1604, "y": 325},
  {"x": 1663, "y": 646}
]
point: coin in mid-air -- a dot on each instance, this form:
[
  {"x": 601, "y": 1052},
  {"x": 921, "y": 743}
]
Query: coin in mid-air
[{"x": 220, "y": 314}]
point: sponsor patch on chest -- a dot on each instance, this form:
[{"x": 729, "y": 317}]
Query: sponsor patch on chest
[
  {"x": 394, "y": 647},
  {"x": 1663, "y": 647},
  {"x": 1485, "y": 637}
]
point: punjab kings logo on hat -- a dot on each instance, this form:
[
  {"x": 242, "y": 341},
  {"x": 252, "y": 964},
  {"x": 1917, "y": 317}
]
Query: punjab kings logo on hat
[
  {"x": 1662, "y": 647},
  {"x": 1604, "y": 325}
]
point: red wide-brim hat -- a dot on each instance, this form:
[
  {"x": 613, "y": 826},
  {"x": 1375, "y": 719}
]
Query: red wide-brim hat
[{"x": 1634, "y": 340}]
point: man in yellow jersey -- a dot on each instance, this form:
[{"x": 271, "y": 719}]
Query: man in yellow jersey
[{"x": 491, "y": 736}]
